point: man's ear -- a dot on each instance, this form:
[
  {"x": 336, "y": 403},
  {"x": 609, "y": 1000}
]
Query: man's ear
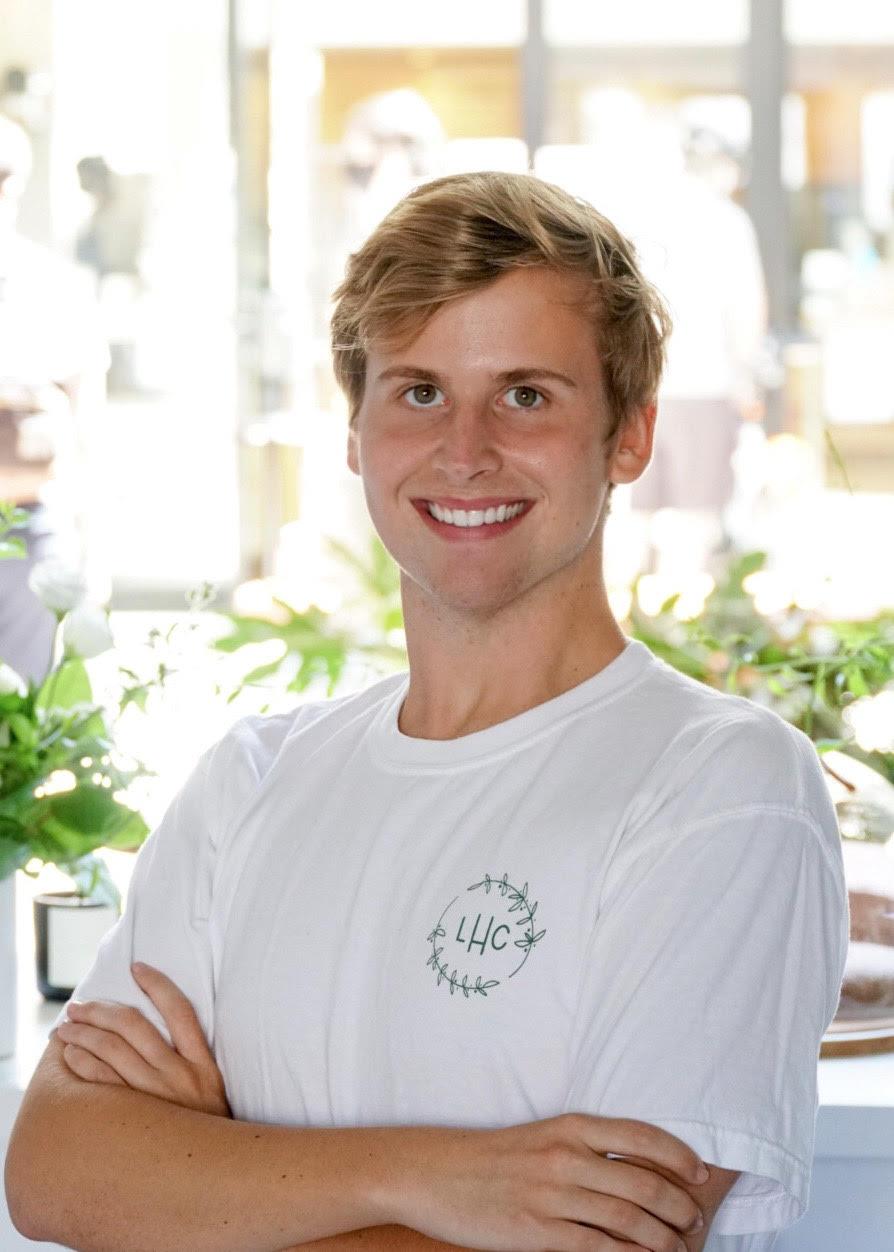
[
  {"x": 633, "y": 444},
  {"x": 353, "y": 451}
]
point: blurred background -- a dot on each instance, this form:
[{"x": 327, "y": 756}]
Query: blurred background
[
  {"x": 207, "y": 167},
  {"x": 180, "y": 186}
]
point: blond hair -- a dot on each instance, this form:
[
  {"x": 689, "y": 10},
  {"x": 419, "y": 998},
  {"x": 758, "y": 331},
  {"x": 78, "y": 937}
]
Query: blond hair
[{"x": 454, "y": 235}]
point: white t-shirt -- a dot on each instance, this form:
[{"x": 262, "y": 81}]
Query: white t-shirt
[{"x": 627, "y": 901}]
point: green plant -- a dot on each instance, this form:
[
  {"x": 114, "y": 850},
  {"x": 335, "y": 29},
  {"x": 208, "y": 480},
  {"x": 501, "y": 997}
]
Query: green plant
[
  {"x": 319, "y": 644},
  {"x": 805, "y": 668},
  {"x": 61, "y": 781}
]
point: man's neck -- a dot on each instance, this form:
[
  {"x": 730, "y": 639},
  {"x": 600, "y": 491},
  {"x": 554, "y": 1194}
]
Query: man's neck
[{"x": 462, "y": 680}]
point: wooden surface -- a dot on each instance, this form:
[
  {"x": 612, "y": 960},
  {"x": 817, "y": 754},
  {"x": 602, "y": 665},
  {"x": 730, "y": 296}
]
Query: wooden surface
[{"x": 853, "y": 1037}]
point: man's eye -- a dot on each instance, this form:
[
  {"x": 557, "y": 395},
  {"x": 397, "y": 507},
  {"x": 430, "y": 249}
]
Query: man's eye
[
  {"x": 423, "y": 395},
  {"x": 525, "y": 397}
]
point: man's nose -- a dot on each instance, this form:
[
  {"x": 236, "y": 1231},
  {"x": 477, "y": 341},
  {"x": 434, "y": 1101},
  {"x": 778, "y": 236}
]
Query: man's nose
[{"x": 467, "y": 439}]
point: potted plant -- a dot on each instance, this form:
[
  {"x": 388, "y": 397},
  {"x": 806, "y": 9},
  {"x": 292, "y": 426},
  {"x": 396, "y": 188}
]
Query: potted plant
[{"x": 63, "y": 784}]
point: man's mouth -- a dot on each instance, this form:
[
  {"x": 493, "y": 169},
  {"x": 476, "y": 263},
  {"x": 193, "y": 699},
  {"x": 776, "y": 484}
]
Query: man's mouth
[{"x": 468, "y": 523}]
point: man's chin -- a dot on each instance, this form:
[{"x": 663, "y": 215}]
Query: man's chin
[{"x": 475, "y": 603}]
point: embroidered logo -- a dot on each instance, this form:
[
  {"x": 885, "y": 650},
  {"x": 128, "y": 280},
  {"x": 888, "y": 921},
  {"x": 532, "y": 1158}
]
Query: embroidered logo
[{"x": 480, "y": 939}]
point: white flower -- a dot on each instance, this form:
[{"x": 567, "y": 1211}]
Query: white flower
[
  {"x": 86, "y": 632},
  {"x": 823, "y": 639},
  {"x": 872, "y": 721},
  {"x": 59, "y": 586},
  {"x": 11, "y": 681}
]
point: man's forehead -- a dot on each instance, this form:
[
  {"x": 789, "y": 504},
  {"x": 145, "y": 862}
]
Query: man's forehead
[
  {"x": 509, "y": 303},
  {"x": 526, "y": 322}
]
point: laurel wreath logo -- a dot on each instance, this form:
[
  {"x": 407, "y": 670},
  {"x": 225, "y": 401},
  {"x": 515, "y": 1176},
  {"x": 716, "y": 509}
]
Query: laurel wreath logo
[{"x": 519, "y": 902}]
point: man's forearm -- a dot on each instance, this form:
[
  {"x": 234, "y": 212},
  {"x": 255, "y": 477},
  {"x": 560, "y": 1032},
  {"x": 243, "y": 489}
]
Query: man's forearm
[
  {"x": 378, "y": 1239},
  {"x": 101, "y": 1168}
]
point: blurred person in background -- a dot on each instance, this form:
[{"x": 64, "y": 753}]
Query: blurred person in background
[
  {"x": 392, "y": 142},
  {"x": 708, "y": 267},
  {"x": 112, "y": 242},
  {"x": 52, "y": 365}
]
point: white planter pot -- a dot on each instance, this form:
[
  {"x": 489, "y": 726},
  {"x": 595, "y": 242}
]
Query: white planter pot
[
  {"x": 8, "y": 990},
  {"x": 67, "y": 932}
]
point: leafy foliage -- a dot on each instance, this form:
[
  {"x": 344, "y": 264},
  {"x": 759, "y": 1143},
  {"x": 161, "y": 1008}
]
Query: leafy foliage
[
  {"x": 319, "y": 644},
  {"x": 775, "y": 661},
  {"x": 729, "y": 645},
  {"x": 60, "y": 776},
  {"x": 56, "y": 727}
]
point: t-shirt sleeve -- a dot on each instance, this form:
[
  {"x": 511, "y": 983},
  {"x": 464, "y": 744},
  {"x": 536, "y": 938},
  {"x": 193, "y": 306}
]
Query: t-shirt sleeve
[
  {"x": 165, "y": 921},
  {"x": 714, "y": 968}
]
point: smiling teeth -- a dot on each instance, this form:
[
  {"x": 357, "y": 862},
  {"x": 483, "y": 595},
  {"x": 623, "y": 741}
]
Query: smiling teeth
[{"x": 475, "y": 517}]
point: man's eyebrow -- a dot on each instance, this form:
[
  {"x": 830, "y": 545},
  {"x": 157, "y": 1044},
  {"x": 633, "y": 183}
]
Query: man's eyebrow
[{"x": 506, "y": 376}]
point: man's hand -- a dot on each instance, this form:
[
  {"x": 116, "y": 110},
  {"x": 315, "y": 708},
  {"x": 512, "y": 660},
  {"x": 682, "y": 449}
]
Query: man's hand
[
  {"x": 542, "y": 1184},
  {"x": 114, "y": 1043}
]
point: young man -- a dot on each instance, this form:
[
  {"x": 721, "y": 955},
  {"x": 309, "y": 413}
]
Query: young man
[{"x": 489, "y": 954}]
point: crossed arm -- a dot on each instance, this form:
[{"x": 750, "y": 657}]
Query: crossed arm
[{"x": 238, "y": 1184}]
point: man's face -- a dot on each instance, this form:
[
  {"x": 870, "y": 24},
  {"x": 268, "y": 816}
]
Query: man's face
[{"x": 499, "y": 400}]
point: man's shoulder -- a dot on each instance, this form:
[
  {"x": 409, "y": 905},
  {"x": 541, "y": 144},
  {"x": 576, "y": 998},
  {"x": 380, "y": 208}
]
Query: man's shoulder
[
  {"x": 692, "y": 702},
  {"x": 262, "y": 736},
  {"x": 242, "y": 761},
  {"x": 684, "y": 705},
  {"x": 730, "y": 750}
]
